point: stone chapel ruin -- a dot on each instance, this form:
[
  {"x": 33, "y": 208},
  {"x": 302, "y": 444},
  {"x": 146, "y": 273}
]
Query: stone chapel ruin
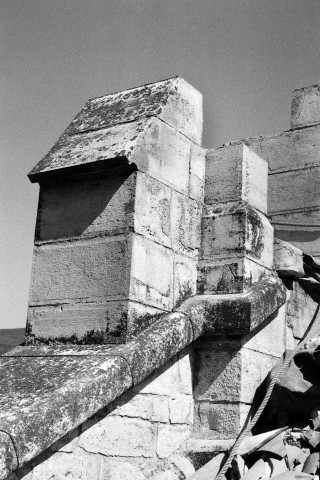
[{"x": 167, "y": 282}]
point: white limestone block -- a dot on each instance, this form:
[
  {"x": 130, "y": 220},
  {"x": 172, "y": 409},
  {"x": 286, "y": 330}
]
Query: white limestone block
[
  {"x": 181, "y": 409},
  {"x": 120, "y": 436},
  {"x": 236, "y": 173},
  {"x": 170, "y": 439}
]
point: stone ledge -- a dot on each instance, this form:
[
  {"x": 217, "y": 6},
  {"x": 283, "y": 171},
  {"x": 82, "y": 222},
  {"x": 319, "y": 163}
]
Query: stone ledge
[
  {"x": 77, "y": 381},
  {"x": 235, "y": 314},
  {"x": 107, "y": 131}
]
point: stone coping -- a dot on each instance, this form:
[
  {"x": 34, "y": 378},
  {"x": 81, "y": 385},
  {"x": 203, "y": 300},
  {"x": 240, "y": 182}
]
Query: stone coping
[
  {"x": 47, "y": 391},
  {"x": 107, "y": 129}
]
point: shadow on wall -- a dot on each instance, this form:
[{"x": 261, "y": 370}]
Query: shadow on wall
[{"x": 74, "y": 207}]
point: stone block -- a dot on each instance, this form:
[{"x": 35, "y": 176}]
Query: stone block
[
  {"x": 236, "y": 173},
  {"x": 160, "y": 409},
  {"x": 181, "y": 409},
  {"x": 121, "y": 469},
  {"x": 270, "y": 338},
  {"x": 288, "y": 259},
  {"x": 186, "y": 224},
  {"x": 171, "y": 438},
  {"x": 68, "y": 465},
  {"x": 303, "y": 182},
  {"x": 229, "y": 276},
  {"x": 153, "y": 207},
  {"x": 230, "y": 374},
  {"x": 164, "y": 154},
  {"x": 140, "y": 406},
  {"x": 109, "y": 322},
  {"x": 151, "y": 273},
  {"x": 166, "y": 216},
  {"x": 185, "y": 279},
  {"x": 305, "y": 106},
  {"x": 173, "y": 100},
  {"x": 225, "y": 418},
  {"x": 120, "y": 436},
  {"x": 242, "y": 232},
  {"x": 80, "y": 271},
  {"x": 87, "y": 207}
]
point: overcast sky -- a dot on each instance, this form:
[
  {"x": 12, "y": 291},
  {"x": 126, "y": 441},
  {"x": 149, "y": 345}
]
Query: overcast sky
[{"x": 245, "y": 56}]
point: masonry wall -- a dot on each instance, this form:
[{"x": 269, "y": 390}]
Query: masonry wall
[{"x": 142, "y": 435}]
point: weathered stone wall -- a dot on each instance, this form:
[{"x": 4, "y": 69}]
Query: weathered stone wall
[
  {"x": 117, "y": 242},
  {"x": 142, "y": 435},
  {"x": 119, "y": 215}
]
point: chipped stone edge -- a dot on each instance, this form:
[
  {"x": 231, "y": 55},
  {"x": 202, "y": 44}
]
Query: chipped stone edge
[{"x": 149, "y": 350}]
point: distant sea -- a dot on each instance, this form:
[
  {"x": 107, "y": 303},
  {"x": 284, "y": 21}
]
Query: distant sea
[{"x": 10, "y": 338}]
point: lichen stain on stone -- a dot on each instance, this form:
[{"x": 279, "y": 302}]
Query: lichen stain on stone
[
  {"x": 124, "y": 106},
  {"x": 255, "y": 232},
  {"x": 140, "y": 322},
  {"x": 186, "y": 290}
]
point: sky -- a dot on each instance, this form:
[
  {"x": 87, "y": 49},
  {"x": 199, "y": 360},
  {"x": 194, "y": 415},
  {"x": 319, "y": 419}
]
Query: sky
[{"x": 245, "y": 56}]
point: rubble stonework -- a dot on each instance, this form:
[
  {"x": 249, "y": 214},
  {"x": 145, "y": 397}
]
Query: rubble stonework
[{"x": 160, "y": 300}]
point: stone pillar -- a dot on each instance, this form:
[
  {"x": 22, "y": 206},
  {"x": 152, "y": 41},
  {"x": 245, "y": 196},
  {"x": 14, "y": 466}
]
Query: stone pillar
[
  {"x": 118, "y": 224},
  {"x": 237, "y": 238},
  {"x": 236, "y": 252}
]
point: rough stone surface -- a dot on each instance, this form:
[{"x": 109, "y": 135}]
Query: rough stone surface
[
  {"x": 117, "y": 120},
  {"x": 119, "y": 215},
  {"x": 305, "y": 106},
  {"x": 149, "y": 350},
  {"x": 73, "y": 467},
  {"x": 270, "y": 338},
  {"x": 8, "y": 458},
  {"x": 236, "y": 275},
  {"x": 173, "y": 378},
  {"x": 34, "y": 389},
  {"x": 236, "y": 173},
  {"x": 181, "y": 409},
  {"x": 234, "y": 313},
  {"x": 86, "y": 207},
  {"x": 303, "y": 182},
  {"x": 288, "y": 259},
  {"x": 242, "y": 231},
  {"x": 81, "y": 271},
  {"x": 118, "y": 436},
  {"x": 173, "y": 100},
  {"x": 230, "y": 375},
  {"x": 151, "y": 274},
  {"x": 223, "y": 417},
  {"x": 121, "y": 469},
  {"x": 170, "y": 438}
]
